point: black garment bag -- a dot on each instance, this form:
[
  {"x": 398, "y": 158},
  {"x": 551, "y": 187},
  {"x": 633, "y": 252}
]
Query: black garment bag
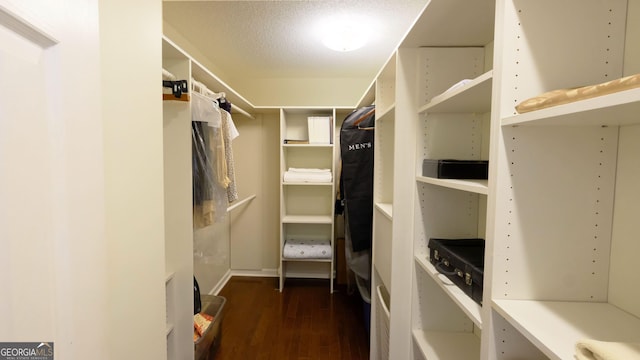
[{"x": 356, "y": 180}]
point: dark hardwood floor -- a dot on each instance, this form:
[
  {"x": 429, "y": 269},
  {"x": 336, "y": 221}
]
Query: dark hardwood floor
[{"x": 303, "y": 322}]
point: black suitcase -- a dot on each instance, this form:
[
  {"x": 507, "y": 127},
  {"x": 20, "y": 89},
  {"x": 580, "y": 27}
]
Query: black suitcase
[
  {"x": 455, "y": 169},
  {"x": 462, "y": 261}
]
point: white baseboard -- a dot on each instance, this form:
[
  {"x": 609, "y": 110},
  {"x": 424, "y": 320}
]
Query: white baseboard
[
  {"x": 256, "y": 273},
  {"x": 225, "y": 278},
  {"x": 264, "y": 273}
]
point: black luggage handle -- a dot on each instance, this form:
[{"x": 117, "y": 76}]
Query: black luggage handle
[
  {"x": 442, "y": 270},
  {"x": 456, "y": 272}
]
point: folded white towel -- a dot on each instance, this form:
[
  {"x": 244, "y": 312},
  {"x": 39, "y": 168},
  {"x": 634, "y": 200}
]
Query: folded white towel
[
  {"x": 303, "y": 170},
  {"x": 458, "y": 85},
  {"x": 319, "y": 177},
  {"x": 589, "y": 349}
]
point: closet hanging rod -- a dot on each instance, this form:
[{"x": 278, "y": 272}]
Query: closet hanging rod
[
  {"x": 204, "y": 90},
  {"x": 178, "y": 88},
  {"x": 167, "y": 75},
  {"x": 241, "y": 202},
  {"x": 201, "y": 88},
  {"x": 242, "y": 111},
  {"x": 197, "y": 86}
]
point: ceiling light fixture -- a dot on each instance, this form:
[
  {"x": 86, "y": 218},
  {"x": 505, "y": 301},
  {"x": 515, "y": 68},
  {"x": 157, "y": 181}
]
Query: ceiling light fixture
[{"x": 344, "y": 33}]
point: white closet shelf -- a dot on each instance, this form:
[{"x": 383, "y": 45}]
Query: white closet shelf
[
  {"x": 308, "y": 183},
  {"x": 620, "y": 108},
  {"x": 308, "y": 145},
  {"x": 452, "y": 23},
  {"x": 464, "y": 302},
  {"x": 199, "y": 71},
  {"x": 474, "y": 186},
  {"x": 306, "y": 260},
  {"x": 447, "y": 345},
  {"x": 369, "y": 97},
  {"x": 571, "y": 321},
  {"x": 238, "y": 103},
  {"x": 307, "y": 219},
  {"x": 385, "y": 209},
  {"x": 473, "y": 97},
  {"x": 386, "y": 114}
]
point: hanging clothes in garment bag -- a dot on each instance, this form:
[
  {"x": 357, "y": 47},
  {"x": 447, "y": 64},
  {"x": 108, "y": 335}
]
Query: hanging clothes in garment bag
[
  {"x": 210, "y": 181},
  {"x": 356, "y": 180},
  {"x": 356, "y": 192},
  {"x": 230, "y": 132}
]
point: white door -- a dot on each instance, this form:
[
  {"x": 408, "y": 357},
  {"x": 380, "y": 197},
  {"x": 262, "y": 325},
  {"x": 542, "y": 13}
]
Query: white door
[
  {"x": 26, "y": 221},
  {"x": 41, "y": 297}
]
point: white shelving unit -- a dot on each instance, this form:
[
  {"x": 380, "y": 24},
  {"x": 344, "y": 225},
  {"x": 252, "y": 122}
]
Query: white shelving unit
[
  {"x": 178, "y": 210},
  {"x": 559, "y": 208},
  {"x": 178, "y": 201},
  {"x": 170, "y": 304},
  {"x": 449, "y": 122},
  {"x": 471, "y": 309},
  {"x": 383, "y": 182},
  {"x": 306, "y": 208},
  {"x": 565, "y": 198},
  {"x": 417, "y": 119},
  {"x": 440, "y": 345},
  {"x": 452, "y": 125},
  {"x": 558, "y": 211},
  {"x": 384, "y": 141}
]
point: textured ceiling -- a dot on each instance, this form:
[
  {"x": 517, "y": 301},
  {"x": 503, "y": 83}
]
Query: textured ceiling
[{"x": 276, "y": 39}]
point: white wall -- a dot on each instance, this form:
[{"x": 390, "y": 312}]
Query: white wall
[
  {"x": 308, "y": 92},
  {"x": 130, "y": 44},
  {"x": 254, "y": 236},
  {"x": 170, "y": 32}
]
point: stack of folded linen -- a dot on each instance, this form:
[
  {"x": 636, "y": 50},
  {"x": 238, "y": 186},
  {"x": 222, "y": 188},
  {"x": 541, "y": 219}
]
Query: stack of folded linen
[
  {"x": 308, "y": 175},
  {"x": 307, "y": 249}
]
